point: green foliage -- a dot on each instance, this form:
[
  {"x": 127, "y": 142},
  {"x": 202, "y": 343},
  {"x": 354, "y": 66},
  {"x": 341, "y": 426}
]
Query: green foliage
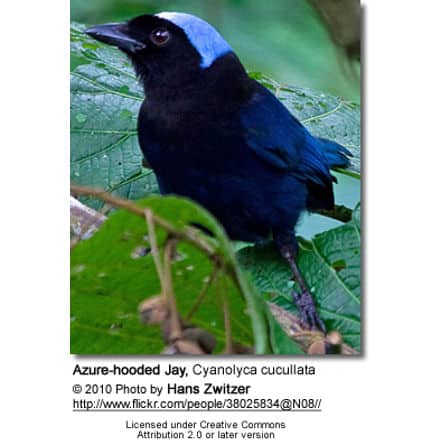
[
  {"x": 105, "y": 99},
  {"x": 330, "y": 264},
  {"x": 110, "y": 277}
]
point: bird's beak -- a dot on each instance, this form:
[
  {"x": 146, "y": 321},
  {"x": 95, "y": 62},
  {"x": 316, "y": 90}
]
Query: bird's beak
[{"x": 115, "y": 34}]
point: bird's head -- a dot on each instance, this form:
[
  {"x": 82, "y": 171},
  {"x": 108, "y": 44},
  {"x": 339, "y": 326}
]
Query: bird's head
[{"x": 166, "y": 48}]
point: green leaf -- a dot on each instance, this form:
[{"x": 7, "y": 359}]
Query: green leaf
[
  {"x": 105, "y": 100},
  {"x": 330, "y": 264},
  {"x": 109, "y": 279}
]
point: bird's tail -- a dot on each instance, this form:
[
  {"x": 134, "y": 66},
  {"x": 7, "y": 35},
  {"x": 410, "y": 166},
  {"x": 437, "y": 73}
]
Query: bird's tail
[{"x": 336, "y": 156}]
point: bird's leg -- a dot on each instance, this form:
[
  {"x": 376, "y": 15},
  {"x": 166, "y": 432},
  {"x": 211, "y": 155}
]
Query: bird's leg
[
  {"x": 304, "y": 301},
  {"x": 288, "y": 248}
]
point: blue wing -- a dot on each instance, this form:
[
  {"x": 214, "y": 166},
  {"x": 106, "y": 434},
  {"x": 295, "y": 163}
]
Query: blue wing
[
  {"x": 336, "y": 156},
  {"x": 278, "y": 138}
]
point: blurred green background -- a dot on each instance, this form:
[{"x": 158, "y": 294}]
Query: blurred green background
[{"x": 285, "y": 39}]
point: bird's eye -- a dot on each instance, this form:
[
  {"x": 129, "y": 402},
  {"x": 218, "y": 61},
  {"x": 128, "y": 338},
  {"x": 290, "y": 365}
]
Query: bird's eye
[{"x": 160, "y": 36}]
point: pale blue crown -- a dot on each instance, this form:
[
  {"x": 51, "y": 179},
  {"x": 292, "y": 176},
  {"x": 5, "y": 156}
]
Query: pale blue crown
[{"x": 204, "y": 37}]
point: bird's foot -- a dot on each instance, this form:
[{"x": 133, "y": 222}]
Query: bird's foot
[
  {"x": 307, "y": 310},
  {"x": 288, "y": 248}
]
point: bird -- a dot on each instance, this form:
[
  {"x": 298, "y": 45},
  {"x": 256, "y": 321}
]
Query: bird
[{"x": 213, "y": 134}]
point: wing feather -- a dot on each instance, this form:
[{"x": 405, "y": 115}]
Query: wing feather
[{"x": 279, "y": 139}]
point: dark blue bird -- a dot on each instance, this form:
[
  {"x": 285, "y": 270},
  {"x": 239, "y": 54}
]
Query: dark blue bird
[{"x": 215, "y": 135}]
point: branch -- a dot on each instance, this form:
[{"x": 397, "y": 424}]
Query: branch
[
  {"x": 84, "y": 221},
  {"x": 201, "y": 296},
  {"x": 187, "y": 234},
  {"x": 163, "y": 268},
  {"x": 168, "y": 291},
  {"x": 339, "y": 212},
  {"x": 309, "y": 340}
]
